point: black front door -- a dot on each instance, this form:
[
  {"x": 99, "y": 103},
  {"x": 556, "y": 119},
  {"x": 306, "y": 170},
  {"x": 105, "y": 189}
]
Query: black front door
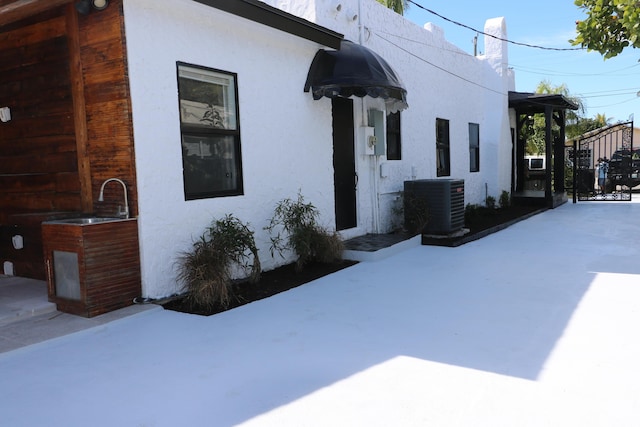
[{"x": 344, "y": 164}]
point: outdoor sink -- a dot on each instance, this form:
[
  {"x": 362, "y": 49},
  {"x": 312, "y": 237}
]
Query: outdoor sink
[
  {"x": 85, "y": 221},
  {"x": 92, "y": 263}
]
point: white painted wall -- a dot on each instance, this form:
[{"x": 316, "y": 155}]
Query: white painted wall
[
  {"x": 442, "y": 82},
  {"x": 286, "y": 137}
]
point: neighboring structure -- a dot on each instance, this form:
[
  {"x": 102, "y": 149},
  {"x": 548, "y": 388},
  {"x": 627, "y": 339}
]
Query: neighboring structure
[
  {"x": 614, "y": 144},
  {"x": 553, "y": 106},
  {"x": 199, "y": 106},
  {"x": 604, "y": 142}
]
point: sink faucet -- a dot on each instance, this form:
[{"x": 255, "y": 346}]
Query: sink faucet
[{"x": 124, "y": 213}]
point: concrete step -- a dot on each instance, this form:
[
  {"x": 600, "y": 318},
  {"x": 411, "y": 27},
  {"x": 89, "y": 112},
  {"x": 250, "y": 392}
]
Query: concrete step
[{"x": 21, "y": 297}]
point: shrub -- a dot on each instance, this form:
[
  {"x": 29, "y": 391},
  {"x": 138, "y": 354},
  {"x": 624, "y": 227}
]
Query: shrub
[
  {"x": 470, "y": 212},
  {"x": 303, "y": 235},
  {"x": 416, "y": 213},
  {"x": 505, "y": 199},
  {"x": 490, "y": 202},
  {"x": 397, "y": 212},
  {"x": 206, "y": 270}
]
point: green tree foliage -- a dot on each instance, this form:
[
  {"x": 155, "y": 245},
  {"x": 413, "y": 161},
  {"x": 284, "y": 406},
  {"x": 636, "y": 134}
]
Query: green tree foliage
[
  {"x": 398, "y": 6},
  {"x": 535, "y": 131},
  {"x": 584, "y": 125},
  {"x": 610, "y": 26},
  {"x": 576, "y": 123},
  {"x": 536, "y": 135}
]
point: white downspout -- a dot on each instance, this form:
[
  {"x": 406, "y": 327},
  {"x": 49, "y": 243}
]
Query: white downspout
[
  {"x": 360, "y": 27},
  {"x": 375, "y": 196}
]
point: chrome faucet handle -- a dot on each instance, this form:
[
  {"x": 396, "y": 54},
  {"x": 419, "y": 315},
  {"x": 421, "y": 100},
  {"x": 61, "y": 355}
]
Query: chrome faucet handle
[{"x": 123, "y": 212}]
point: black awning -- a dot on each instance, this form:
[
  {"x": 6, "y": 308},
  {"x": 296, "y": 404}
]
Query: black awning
[
  {"x": 355, "y": 70},
  {"x": 531, "y": 103}
]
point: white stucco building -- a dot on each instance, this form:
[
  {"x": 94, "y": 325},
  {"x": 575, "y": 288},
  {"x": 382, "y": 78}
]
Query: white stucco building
[{"x": 279, "y": 140}]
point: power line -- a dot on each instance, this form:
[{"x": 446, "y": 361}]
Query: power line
[
  {"x": 457, "y": 50},
  {"x": 547, "y": 72},
  {"x": 617, "y": 103},
  {"x": 632, "y": 92},
  {"x": 599, "y": 94},
  {"x": 491, "y": 35},
  {"x": 436, "y": 66}
]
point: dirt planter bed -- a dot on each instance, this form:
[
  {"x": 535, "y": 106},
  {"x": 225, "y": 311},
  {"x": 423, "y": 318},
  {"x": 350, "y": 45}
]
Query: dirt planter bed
[
  {"x": 484, "y": 223},
  {"x": 286, "y": 277},
  {"x": 271, "y": 283}
]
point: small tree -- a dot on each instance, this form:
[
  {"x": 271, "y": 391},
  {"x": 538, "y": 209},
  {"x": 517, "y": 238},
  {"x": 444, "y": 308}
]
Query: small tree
[
  {"x": 535, "y": 132},
  {"x": 505, "y": 199},
  {"x": 311, "y": 242},
  {"x": 584, "y": 125},
  {"x": 490, "y": 202}
]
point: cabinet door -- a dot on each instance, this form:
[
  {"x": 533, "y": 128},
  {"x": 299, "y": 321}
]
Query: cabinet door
[{"x": 66, "y": 275}]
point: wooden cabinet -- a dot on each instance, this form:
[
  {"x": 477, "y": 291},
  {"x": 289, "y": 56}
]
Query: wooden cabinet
[{"x": 92, "y": 269}]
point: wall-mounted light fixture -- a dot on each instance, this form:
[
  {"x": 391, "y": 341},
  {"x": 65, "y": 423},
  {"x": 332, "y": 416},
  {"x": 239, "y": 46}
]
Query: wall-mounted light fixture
[
  {"x": 100, "y": 4},
  {"x": 84, "y": 6},
  {"x": 5, "y": 114}
]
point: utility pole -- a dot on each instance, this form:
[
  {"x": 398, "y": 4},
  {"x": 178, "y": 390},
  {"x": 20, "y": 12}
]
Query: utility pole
[{"x": 475, "y": 45}]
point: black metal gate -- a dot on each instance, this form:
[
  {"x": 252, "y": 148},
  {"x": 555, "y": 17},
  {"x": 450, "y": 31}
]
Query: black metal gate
[{"x": 605, "y": 164}]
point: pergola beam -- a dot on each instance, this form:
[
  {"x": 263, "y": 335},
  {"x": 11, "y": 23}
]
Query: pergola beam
[{"x": 21, "y": 9}]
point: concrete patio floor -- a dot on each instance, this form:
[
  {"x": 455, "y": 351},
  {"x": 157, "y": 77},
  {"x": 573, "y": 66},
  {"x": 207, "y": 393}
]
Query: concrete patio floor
[
  {"x": 27, "y": 317},
  {"x": 535, "y": 325},
  {"x": 21, "y": 298}
]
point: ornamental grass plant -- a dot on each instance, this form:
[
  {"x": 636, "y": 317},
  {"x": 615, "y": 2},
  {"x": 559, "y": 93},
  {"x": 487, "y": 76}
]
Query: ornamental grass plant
[
  {"x": 294, "y": 226},
  {"x": 206, "y": 271}
]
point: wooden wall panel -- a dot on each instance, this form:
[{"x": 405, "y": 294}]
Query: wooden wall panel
[
  {"x": 39, "y": 202},
  {"x": 35, "y": 163},
  {"x": 23, "y": 183},
  {"x": 42, "y": 183},
  {"x": 38, "y": 144},
  {"x": 43, "y": 144},
  {"x": 64, "y": 76},
  {"x": 108, "y": 107},
  {"x": 16, "y": 11},
  {"x": 33, "y": 33}
]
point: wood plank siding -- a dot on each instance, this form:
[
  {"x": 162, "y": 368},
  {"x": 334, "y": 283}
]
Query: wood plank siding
[
  {"x": 64, "y": 77},
  {"x": 108, "y": 265}
]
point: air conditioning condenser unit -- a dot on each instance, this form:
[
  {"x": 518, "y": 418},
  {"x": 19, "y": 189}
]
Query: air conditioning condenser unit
[{"x": 443, "y": 200}]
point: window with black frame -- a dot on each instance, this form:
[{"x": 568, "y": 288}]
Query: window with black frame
[
  {"x": 394, "y": 142},
  {"x": 443, "y": 162},
  {"x": 209, "y": 124},
  {"x": 474, "y": 147}
]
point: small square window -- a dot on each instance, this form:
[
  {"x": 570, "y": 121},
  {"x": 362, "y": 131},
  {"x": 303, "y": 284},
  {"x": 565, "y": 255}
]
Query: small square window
[{"x": 210, "y": 131}]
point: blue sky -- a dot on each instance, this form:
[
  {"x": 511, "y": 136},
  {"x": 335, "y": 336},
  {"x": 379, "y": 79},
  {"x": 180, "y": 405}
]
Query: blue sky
[{"x": 608, "y": 87}]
